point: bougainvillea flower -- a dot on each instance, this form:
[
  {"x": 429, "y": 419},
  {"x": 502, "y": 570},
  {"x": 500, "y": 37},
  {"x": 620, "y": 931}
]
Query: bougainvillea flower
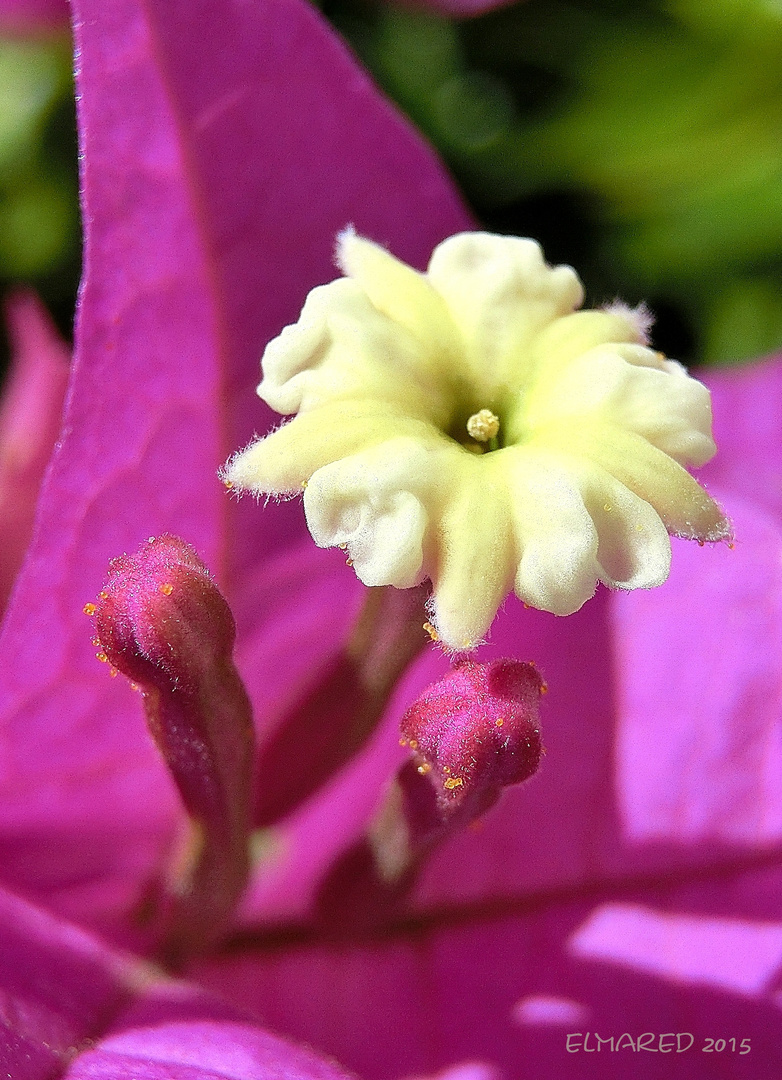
[
  {"x": 632, "y": 886},
  {"x": 467, "y": 425}
]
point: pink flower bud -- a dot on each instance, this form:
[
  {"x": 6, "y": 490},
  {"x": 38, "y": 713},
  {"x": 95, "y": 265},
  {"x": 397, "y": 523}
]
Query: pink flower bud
[
  {"x": 475, "y": 732},
  {"x": 472, "y": 734},
  {"x": 161, "y": 620}
]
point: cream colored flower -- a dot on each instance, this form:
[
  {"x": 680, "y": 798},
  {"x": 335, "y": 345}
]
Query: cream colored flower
[{"x": 470, "y": 426}]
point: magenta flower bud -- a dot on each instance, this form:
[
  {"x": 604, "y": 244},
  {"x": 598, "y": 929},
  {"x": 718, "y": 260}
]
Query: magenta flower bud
[
  {"x": 475, "y": 732},
  {"x": 472, "y": 734},
  {"x": 161, "y": 620}
]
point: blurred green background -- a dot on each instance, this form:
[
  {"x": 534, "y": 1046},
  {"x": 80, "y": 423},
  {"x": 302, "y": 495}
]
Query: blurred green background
[
  {"x": 39, "y": 217},
  {"x": 640, "y": 142}
]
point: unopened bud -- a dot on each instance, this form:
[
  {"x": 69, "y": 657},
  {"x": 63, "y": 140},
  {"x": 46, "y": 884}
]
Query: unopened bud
[
  {"x": 161, "y": 620},
  {"x": 475, "y": 732},
  {"x": 472, "y": 734}
]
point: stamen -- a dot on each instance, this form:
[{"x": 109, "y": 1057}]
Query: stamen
[{"x": 483, "y": 426}]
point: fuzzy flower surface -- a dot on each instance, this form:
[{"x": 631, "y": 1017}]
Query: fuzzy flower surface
[{"x": 471, "y": 426}]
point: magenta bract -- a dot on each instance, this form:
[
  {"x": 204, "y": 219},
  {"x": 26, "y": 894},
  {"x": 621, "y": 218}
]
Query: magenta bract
[
  {"x": 633, "y": 886},
  {"x": 30, "y": 416}
]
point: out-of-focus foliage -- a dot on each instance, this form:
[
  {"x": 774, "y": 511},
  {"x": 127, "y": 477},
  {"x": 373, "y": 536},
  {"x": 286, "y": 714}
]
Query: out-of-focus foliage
[
  {"x": 642, "y": 142},
  {"x": 39, "y": 222}
]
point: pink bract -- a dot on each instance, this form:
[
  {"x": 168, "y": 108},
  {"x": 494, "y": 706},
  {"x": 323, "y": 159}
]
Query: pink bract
[
  {"x": 33, "y": 16},
  {"x": 632, "y": 886},
  {"x": 30, "y": 418}
]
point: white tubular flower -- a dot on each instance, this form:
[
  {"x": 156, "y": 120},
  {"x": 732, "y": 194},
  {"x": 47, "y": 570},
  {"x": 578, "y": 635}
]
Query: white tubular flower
[{"x": 470, "y": 426}]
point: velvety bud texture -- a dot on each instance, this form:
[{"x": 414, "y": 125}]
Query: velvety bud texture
[
  {"x": 476, "y": 731},
  {"x": 161, "y": 620}
]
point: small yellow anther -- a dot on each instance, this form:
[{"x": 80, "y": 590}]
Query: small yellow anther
[
  {"x": 453, "y": 782},
  {"x": 424, "y": 768},
  {"x": 103, "y": 595},
  {"x": 413, "y": 744},
  {"x": 102, "y": 657},
  {"x": 499, "y": 723},
  {"x": 89, "y": 609},
  {"x": 431, "y": 631},
  {"x": 483, "y": 426},
  {"x": 167, "y": 588}
]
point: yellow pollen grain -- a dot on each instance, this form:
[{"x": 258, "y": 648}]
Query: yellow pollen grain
[
  {"x": 102, "y": 657},
  {"x": 453, "y": 782},
  {"x": 414, "y": 744},
  {"x": 167, "y": 588},
  {"x": 431, "y": 631},
  {"x": 446, "y": 768},
  {"x": 544, "y": 688},
  {"x": 135, "y": 686},
  {"x": 499, "y": 723},
  {"x": 403, "y": 741},
  {"x": 103, "y": 595},
  {"x": 348, "y": 562},
  {"x": 424, "y": 768},
  {"x": 483, "y": 426},
  {"x": 113, "y": 672},
  {"x": 89, "y": 609},
  {"x": 608, "y": 507},
  {"x": 228, "y": 485}
]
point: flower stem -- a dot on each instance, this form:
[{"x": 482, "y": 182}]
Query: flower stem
[{"x": 337, "y": 713}]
